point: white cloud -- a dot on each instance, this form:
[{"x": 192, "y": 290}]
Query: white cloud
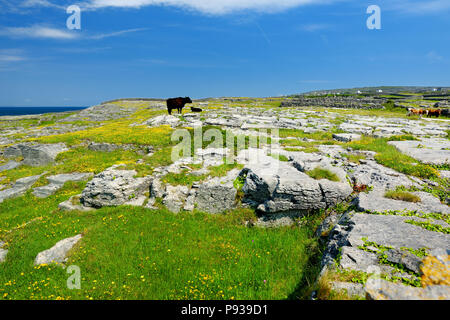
[
  {"x": 44, "y": 32},
  {"x": 40, "y": 3},
  {"x": 115, "y": 34},
  {"x": 38, "y": 31},
  {"x": 215, "y": 7},
  {"x": 420, "y": 6}
]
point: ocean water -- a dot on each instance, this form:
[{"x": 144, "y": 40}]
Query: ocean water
[{"x": 20, "y": 111}]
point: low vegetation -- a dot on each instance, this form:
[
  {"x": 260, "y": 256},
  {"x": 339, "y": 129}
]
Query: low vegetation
[
  {"x": 320, "y": 173},
  {"x": 402, "y": 195}
]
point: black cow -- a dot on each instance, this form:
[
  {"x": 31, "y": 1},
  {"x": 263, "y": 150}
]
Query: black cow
[{"x": 177, "y": 103}]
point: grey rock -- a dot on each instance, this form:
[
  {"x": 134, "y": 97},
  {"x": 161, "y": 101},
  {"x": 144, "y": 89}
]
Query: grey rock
[
  {"x": 373, "y": 174},
  {"x": 103, "y": 147},
  {"x": 377, "y": 289},
  {"x": 10, "y": 165},
  {"x": 174, "y": 197},
  {"x": 169, "y": 120},
  {"x": 392, "y": 231},
  {"x": 3, "y": 252},
  {"x": 352, "y": 289},
  {"x": 157, "y": 189},
  {"x": 56, "y": 182},
  {"x": 274, "y": 187},
  {"x": 277, "y": 220},
  {"x": 73, "y": 203},
  {"x": 346, "y": 137},
  {"x": 431, "y": 151},
  {"x": 386, "y": 230},
  {"x": 113, "y": 188},
  {"x": 375, "y": 201},
  {"x": 407, "y": 259},
  {"x": 57, "y": 253},
  {"x": 189, "y": 204},
  {"x": 356, "y": 259},
  {"x": 217, "y": 195},
  {"x": 19, "y": 188},
  {"x": 35, "y": 155}
]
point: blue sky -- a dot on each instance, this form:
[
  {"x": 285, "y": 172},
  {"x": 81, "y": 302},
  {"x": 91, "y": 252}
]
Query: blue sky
[{"x": 207, "y": 48}]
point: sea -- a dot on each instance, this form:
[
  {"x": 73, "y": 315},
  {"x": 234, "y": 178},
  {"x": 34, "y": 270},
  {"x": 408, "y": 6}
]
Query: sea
[{"x": 20, "y": 111}]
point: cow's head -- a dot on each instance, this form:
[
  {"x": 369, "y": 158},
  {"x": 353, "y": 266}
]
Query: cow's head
[{"x": 187, "y": 100}]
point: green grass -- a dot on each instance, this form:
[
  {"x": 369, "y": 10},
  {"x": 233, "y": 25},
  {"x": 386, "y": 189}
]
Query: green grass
[
  {"x": 402, "y": 195},
  {"x": 389, "y": 156},
  {"x": 320, "y": 173},
  {"x": 355, "y": 158},
  {"x": 135, "y": 253}
]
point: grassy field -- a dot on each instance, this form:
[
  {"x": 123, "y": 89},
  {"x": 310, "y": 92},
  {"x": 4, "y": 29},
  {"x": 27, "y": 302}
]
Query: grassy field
[{"x": 136, "y": 253}]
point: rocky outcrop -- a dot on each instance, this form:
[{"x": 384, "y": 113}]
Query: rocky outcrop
[
  {"x": 174, "y": 197},
  {"x": 57, "y": 253},
  {"x": 35, "y": 155},
  {"x": 273, "y": 186},
  {"x": 372, "y": 174},
  {"x": 217, "y": 195},
  {"x": 375, "y": 244},
  {"x": 114, "y": 187}
]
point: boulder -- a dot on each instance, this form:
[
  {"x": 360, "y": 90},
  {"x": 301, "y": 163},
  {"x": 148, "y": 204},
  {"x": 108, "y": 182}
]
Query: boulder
[
  {"x": 57, "y": 253},
  {"x": 217, "y": 195},
  {"x": 174, "y": 197},
  {"x": 274, "y": 186},
  {"x": 114, "y": 187}
]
